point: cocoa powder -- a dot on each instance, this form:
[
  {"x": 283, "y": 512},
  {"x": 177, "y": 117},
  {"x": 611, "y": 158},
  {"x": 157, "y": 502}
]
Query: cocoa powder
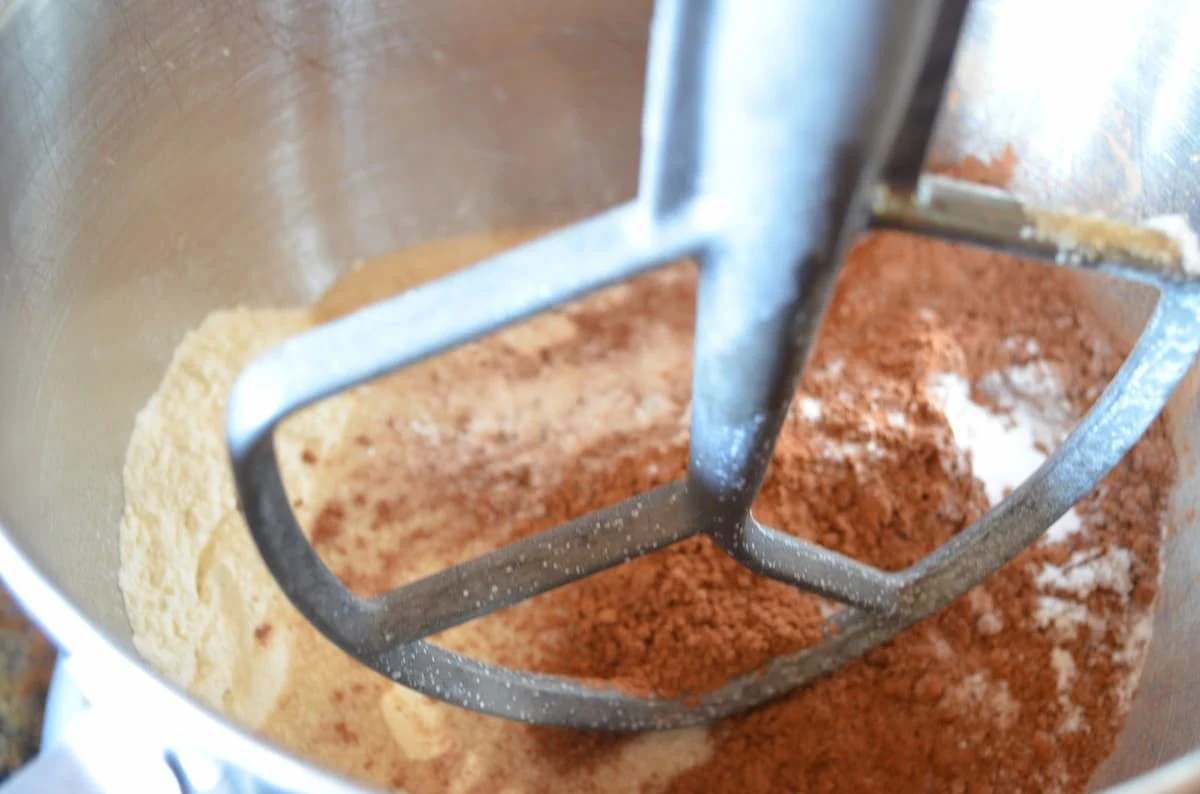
[{"x": 984, "y": 696}]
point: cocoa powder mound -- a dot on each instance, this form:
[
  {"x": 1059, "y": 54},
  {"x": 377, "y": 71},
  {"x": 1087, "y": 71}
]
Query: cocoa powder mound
[
  {"x": 1022, "y": 684},
  {"x": 969, "y": 700}
]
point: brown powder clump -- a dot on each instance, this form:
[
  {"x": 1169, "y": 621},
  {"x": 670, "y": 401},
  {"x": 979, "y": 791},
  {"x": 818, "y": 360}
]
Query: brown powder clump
[
  {"x": 686, "y": 619},
  {"x": 1019, "y": 685},
  {"x": 969, "y": 700},
  {"x": 972, "y": 699}
]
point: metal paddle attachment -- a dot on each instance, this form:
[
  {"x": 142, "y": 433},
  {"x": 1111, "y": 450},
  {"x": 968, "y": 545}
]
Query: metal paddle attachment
[{"x": 774, "y": 134}]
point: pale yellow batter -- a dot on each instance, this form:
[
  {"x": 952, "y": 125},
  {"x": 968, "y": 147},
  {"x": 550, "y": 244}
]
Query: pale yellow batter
[{"x": 206, "y": 613}]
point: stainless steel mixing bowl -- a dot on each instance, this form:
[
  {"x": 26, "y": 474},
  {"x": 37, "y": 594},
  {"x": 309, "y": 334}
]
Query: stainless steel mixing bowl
[{"x": 162, "y": 159}]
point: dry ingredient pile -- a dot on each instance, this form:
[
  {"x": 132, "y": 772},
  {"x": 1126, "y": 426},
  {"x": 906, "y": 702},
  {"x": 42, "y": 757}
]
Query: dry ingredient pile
[{"x": 943, "y": 376}]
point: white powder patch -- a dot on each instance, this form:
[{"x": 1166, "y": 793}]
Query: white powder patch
[
  {"x": 941, "y": 648},
  {"x": 1178, "y": 229},
  {"x": 426, "y": 430},
  {"x": 896, "y": 419},
  {"x": 810, "y": 409},
  {"x": 1003, "y": 445},
  {"x": 980, "y": 691},
  {"x": 1064, "y": 617},
  {"x": 1065, "y": 674},
  {"x": 989, "y": 625},
  {"x": 988, "y": 621},
  {"x": 1005, "y": 448},
  {"x": 1133, "y": 655},
  {"x": 1064, "y": 668},
  {"x": 1029, "y": 347},
  {"x": 833, "y": 370},
  {"x": 1088, "y": 571},
  {"x": 1038, "y": 418},
  {"x": 866, "y": 446},
  {"x": 1063, "y": 528},
  {"x": 1034, "y": 394},
  {"x": 653, "y": 407},
  {"x": 851, "y": 450}
]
